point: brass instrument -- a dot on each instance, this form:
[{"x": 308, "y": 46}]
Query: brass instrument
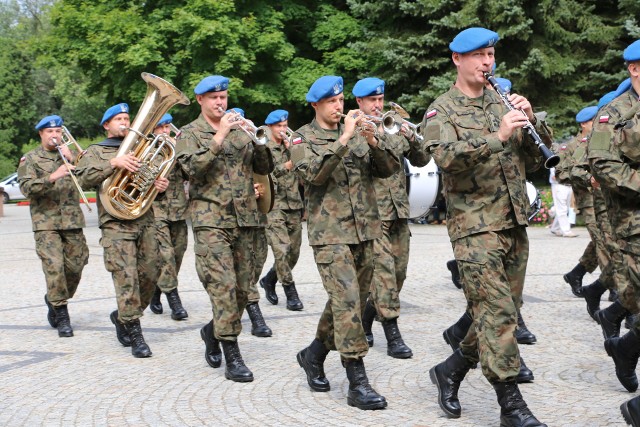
[
  {"x": 258, "y": 134},
  {"x": 67, "y": 140},
  {"x": 128, "y": 195},
  {"x": 550, "y": 159},
  {"x": 287, "y": 135},
  {"x": 393, "y": 121}
]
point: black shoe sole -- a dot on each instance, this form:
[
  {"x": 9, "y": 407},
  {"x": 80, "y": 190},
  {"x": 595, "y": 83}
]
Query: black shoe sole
[
  {"x": 142, "y": 355},
  {"x": 156, "y": 310},
  {"x": 408, "y": 355},
  {"x": 313, "y": 387},
  {"x": 179, "y": 316},
  {"x": 262, "y": 334},
  {"x": 527, "y": 341},
  {"x": 434, "y": 380},
  {"x": 238, "y": 379},
  {"x": 624, "y": 408},
  {"x": 523, "y": 379},
  {"x": 369, "y": 407},
  {"x": 294, "y": 308}
]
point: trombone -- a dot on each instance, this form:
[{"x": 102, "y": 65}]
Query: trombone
[
  {"x": 257, "y": 134},
  {"x": 68, "y": 139}
]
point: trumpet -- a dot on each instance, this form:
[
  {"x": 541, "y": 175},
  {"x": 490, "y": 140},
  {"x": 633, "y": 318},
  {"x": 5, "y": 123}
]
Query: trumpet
[
  {"x": 68, "y": 139},
  {"x": 287, "y": 135},
  {"x": 550, "y": 159},
  {"x": 368, "y": 122},
  {"x": 258, "y": 134},
  {"x": 393, "y": 122}
]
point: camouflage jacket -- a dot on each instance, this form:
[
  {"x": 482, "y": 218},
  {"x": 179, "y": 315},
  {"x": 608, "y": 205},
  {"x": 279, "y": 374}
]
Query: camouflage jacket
[
  {"x": 93, "y": 168},
  {"x": 577, "y": 168},
  {"x": 174, "y": 205},
  {"x": 285, "y": 181},
  {"x": 391, "y": 192},
  {"x": 483, "y": 179},
  {"x": 221, "y": 190},
  {"x": 54, "y": 206},
  {"x": 614, "y": 157},
  {"x": 339, "y": 194},
  {"x": 565, "y": 151}
]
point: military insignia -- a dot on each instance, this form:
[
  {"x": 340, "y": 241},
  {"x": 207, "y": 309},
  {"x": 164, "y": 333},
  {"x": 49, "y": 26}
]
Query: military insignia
[
  {"x": 563, "y": 147},
  {"x": 584, "y": 139},
  {"x": 23, "y": 159},
  {"x": 492, "y": 42},
  {"x": 52, "y": 123},
  {"x": 123, "y": 108},
  {"x": 431, "y": 113},
  {"x": 217, "y": 88},
  {"x": 283, "y": 118},
  {"x": 337, "y": 89},
  {"x": 296, "y": 141},
  {"x": 604, "y": 119},
  {"x": 379, "y": 90}
]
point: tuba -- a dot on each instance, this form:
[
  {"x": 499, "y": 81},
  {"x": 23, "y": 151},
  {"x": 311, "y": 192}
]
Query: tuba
[{"x": 128, "y": 195}]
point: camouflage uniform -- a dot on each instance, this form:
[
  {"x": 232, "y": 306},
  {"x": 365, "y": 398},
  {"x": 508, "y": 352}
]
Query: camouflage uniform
[
  {"x": 284, "y": 230},
  {"x": 573, "y": 170},
  {"x": 614, "y": 158},
  {"x": 170, "y": 214},
  {"x": 487, "y": 204},
  {"x": 392, "y": 249},
  {"x": 130, "y": 246},
  {"x": 57, "y": 223},
  {"x": 224, "y": 216},
  {"x": 342, "y": 223},
  {"x": 260, "y": 252}
]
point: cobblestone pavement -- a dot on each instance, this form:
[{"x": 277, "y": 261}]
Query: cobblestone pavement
[{"x": 91, "y": 379}]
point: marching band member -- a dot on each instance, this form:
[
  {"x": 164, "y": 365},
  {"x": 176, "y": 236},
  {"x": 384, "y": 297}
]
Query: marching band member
[{"x": 56, "y": 218}]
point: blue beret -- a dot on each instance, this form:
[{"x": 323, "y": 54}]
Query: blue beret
[
  {"x": 505, "y": 84},
  {"x": 325, "y": 87},
  {"x": 236, "y": 110},
  {"x": 606, "y": 99},
  {"x": 114, "y": 111},
  {"x": 472, "y": 39},
  {"x": 50, "y": 122},
  {"x": 276, "y": 116},
  {"x": 632, "y": 52},
  {"x": 368, "y": 87},
  {"x": 165, "y": 120},
  {"x": 212, "y": 84},
  {"x": 623, "y": 87},
  {"x": 586, "y": 114}
]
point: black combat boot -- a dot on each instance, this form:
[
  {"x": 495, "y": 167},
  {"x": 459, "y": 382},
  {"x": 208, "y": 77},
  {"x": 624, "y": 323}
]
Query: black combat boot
[
  {"x": 523, "y": 335},
  {"x": 258, "y": 326},
  {"x": 212, "y": 353},
  {"x": 64, "y": 322},
  {"x": 611, "y": 319},
  {"x": 51, "y": 314},
  {"x": 625, "y": 351},
  {"x": 447, "y": 376},
  {"x": 592, "y": 294},
  {"x": 361, "y": 394},
  {"x": 452, "y": 266},
  {"x": 574, "y": 279},
  {"x": 395, "y": 344},
  {"x": 156, "y": 304},
  {"x": 525, "y": 375},
  {"x": 631, "y": 411},
  {"x": 293, "y": 301},
  {"x": 513, "y": 409},
  {"x": 139, "y": 347},
  {"x": 121, "y": 330},
  {"x": 455, "y": 333},
  {"x": 311, "y": 359},
  {"x": 367, "y": 321},
  {"x": 268, "y": 283},
  {"x": 235, "y": 369},
  {"x": 177, "y": 310}
]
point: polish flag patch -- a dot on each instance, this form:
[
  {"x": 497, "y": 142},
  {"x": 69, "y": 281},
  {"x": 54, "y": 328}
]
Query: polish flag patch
[
  {"x": 23, "y": 159},
  {"x": 296, "y": 141},
  {"x": 584, "y": 139},
  {"x": 604, "y": 119},
  {"x": 431, "y": 113}
]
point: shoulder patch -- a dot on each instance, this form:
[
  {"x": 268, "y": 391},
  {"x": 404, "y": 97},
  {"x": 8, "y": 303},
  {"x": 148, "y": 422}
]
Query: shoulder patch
[
  {"x": 604, "y": 119},
  {"x": 431, "y": 113},
  {"x": 23, "y": 159},
  {"x": 296, "y": 141}
]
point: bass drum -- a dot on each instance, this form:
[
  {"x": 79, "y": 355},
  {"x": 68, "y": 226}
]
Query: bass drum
[
  {"x": 422, "y": 188},
  {"x": 535, "y": 203}
]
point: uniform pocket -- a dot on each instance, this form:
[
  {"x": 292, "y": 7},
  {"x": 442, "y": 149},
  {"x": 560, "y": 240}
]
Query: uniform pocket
[{"x": 323, "y": 256}]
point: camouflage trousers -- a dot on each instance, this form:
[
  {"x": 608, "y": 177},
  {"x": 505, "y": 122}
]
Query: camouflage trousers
[
  {"x": 284, "y": 234},
  {"x": 390, "y": 267},
  {"x": 346, "y": 272},
  {"x": 492, "y": 267},
  {"x": 172, "y": 242},
  {"x": 260, "y": 252},
  {"x": 226, "y": 269},
  {"x": 596, "y": 254},
  {"x": 131, "y": 256},
  {"x": 630, "y": 296},
  {"x": 63, "y": 253}
]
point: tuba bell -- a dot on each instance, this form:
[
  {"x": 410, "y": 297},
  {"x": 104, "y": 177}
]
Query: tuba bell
[{"x": 128, "y": 195}]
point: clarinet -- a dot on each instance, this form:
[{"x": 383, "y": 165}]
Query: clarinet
[{"x": 550, "y": 159}]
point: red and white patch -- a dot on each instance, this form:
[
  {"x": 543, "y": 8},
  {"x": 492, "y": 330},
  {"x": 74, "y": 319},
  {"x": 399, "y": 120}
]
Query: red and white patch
[
  {"x": 296, "y": 141},
  {"x": 563, "y": 147},
  {"x": 431, "y": 113},
  {"x": 23, "y": 159},
  {"x": 604, "y": 119},
  {"x": 584, "y": 139}
]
